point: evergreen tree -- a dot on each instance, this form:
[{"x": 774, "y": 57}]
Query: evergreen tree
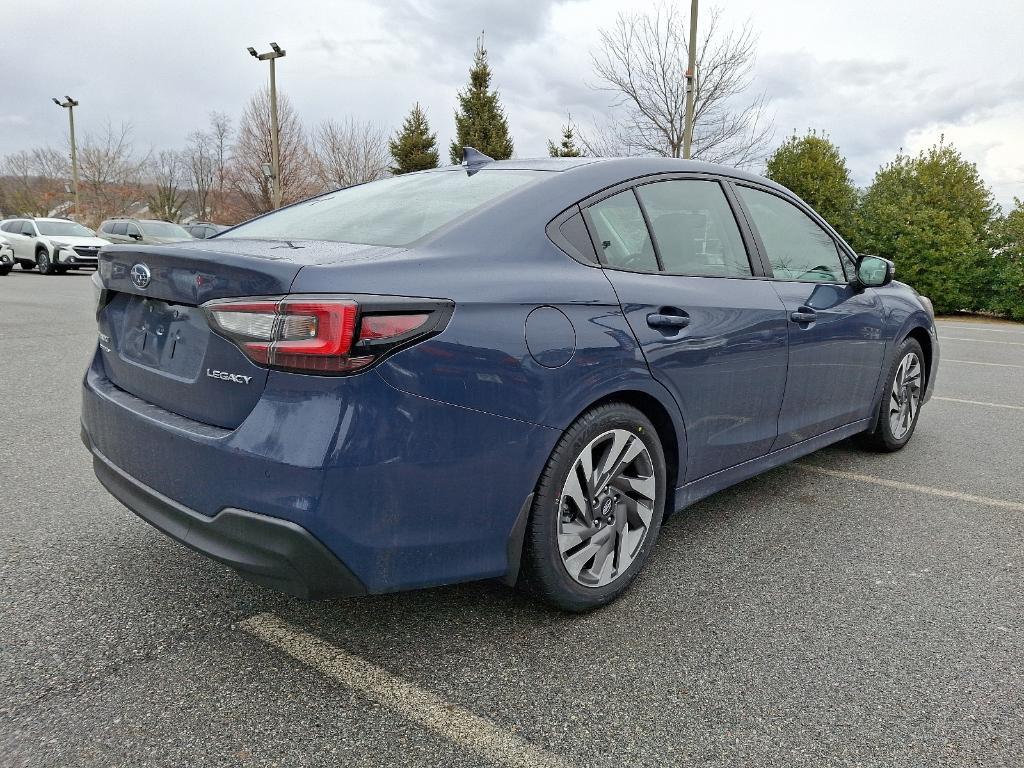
[
  {"x": 1007, "y": 294},
  {"x": 932, "y": 215},
  {"x": 567, "y": 147},
  {"x": 480, "y": 121},
  {"x": 814, "y": 169},
  {"x": 414, "y": 148}
]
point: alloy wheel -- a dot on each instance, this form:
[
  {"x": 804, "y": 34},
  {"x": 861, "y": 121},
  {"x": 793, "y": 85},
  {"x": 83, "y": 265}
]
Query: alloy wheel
[
  {"x": 606, "y": 506},
  {"x": 905, "y": 396}
]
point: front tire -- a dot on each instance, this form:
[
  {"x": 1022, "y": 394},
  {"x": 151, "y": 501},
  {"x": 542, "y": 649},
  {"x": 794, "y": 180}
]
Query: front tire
[
  {"x": 901, "y": 400},
  {"x": 597, "y": 510},
  {"x": 44, "y": 264}
]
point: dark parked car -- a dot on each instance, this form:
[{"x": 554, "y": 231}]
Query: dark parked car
[
  {"x": 497, "y": 370},
  {"x": 201, "y": 230}
]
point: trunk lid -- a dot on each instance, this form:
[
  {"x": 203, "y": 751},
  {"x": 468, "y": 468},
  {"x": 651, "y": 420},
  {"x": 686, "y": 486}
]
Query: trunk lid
[{"x": 155, "y": 341}]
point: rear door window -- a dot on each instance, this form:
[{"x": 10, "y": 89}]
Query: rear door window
[
  {"x": 797, "y": 248},
  {"x": 621, "y": 232},
  {"x": 695, "y": 228}
]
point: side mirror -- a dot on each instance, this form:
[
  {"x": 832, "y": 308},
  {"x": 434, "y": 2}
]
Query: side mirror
[
  {"x": 874, "y": 272},
  {"x": 135, "y": 235}
]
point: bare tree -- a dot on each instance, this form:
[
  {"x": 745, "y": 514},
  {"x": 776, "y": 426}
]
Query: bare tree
[
  {"x": 110, "y": 173},
  {"x": 220, "y": 144},
  {"x": 169, "y": 172},
  {"x": 251, "y": 151},
  {"x": 35, "y": 181},
  {"x": 349, "y": 153},
  {"x": 199, "y": 160},
  {"x": 642, "y": 59}
]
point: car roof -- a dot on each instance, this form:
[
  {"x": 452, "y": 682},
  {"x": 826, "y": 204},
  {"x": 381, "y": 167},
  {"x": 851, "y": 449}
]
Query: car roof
[{"x": 618, "y": 169}]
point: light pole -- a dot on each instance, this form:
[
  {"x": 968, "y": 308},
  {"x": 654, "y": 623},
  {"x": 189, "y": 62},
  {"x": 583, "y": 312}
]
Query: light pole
[
  {"x": 691, "y": 74},
  {"x": 69, "y": 104},
  {"x": 275, "y": 139}
]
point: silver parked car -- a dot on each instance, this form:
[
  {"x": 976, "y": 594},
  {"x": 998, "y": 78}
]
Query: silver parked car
[
  {"x": 125, "y": 230},
  {"x": 53, "y": 246}
]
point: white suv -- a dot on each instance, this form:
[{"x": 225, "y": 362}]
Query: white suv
[{"x": 53, "y": 246}]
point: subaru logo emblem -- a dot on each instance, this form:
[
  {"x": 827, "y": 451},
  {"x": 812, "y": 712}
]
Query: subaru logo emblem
[{"x": 140, "y": 275}]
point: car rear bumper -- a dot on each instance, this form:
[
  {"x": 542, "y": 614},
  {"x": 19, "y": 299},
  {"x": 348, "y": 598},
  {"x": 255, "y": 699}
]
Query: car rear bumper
[
  {"x": 403, "y": 491},
  {"x": 269, "y": 551}
]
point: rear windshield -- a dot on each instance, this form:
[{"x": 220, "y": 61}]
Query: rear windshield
[{"x": 395, "y": 211}]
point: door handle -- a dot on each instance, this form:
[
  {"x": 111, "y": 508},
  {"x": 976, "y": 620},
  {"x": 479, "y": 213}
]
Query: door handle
[
  {"x": 659, "y": 320},
  {"x": 803, "y": 316}
]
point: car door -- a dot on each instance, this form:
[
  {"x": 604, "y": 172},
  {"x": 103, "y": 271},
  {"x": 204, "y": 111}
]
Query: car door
[
  {"x": 12, "y": 231},
  {"x": 712, "y": 333},
  {"x": 134, "y": 233},
  {"x": 835, "y": 329},
  {"x": 119, "y": 232},
  {"x": 27, "y": 241}
]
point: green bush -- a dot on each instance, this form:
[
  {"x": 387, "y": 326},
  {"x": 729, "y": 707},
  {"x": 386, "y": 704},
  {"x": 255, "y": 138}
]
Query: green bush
[
  {"x": 1007, "y": 288},
  {"x": 813, "y": 168},
  {"x": 933, "y": 216}
]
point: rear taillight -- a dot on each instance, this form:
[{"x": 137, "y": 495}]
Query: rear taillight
[{"x": 324, "y": 334}]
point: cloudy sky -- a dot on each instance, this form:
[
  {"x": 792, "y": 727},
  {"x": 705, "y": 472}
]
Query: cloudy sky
[{"x": 876, "y": 75}]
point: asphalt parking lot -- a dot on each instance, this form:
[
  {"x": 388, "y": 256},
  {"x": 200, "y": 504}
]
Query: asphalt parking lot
[{"x": 854, "y": 609}]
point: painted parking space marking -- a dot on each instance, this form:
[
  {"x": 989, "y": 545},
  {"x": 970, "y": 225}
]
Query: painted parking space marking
[
  {"x": 982, "y": 341},
  {"x": 979, "y": 362},
  {"x": 978, "y": 402},
  {"x": 476, "y": 734},
  {"x": 979, "y": 327},
  {"x": 1016, "y": 506}
]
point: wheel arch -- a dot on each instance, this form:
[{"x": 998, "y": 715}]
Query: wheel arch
[
  {"x": 667, "y": 429},
  {"x": 922, "y": 337}
]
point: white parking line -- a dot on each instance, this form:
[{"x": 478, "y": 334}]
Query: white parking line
[
  {"x": 978, "y": 402},
  {"x": 980, "y": 327},
  {"x": 1016, "y": 506},
  {"x": 978, "y": 362},
  {"x": 982, "y": 341},
  {"x": 457, "y": 724}
]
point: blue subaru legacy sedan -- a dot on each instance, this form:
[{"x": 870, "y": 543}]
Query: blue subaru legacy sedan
[{"x": 506, "y": 370}]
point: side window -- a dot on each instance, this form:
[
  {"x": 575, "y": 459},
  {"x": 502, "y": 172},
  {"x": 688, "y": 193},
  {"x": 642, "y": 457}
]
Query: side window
[
  {"x": 119, "y": 228},
  {"x": 572, "y": 229},
  {"x": 28, "y": 229},
  {"x": 696, "y": 231},
  {"x": 133, "y": 229},
  {"x": 8, "y": 226},
  {"x": 798, "y": 248},
  {"x": 106, "y": 226},
  {"x": 621, "y": 232}
]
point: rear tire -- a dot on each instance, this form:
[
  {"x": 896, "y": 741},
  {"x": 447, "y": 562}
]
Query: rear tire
[
  {"x": 580, "y": 556},
  {"x": 901, "y": 400},
  {"x": 44, "y": 264}
]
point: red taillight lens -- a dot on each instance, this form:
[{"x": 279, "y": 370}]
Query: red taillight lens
[
  {"x": 389, "y": 326},
  {"x": 319, "y": 334}
]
